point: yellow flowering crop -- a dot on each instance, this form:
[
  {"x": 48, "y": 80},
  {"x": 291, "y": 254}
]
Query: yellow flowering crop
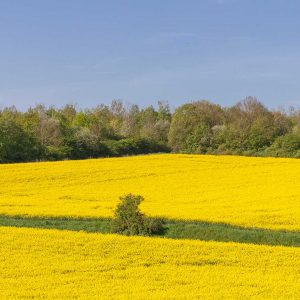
[
  {"x": 255, "y": 192},
  {"x": 52, "y": 264}
]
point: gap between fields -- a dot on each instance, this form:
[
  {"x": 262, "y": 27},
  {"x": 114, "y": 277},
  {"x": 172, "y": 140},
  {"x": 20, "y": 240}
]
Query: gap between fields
[{"x": 174, "y": 229}]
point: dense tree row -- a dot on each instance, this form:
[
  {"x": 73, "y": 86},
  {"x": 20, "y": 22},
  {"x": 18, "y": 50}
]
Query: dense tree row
[
  {"x": 43, "y": 133},
  {"x": 247, "y": 128}
]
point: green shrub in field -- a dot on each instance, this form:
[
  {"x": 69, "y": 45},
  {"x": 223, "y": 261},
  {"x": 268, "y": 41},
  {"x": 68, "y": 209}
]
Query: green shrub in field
[{"x": 129, "y": 220}]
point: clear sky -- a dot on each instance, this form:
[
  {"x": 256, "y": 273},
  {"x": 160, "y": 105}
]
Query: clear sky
[{"x": 90, "y": 52}]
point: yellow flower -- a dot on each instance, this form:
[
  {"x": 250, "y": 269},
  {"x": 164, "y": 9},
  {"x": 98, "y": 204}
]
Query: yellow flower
[
  {"x": 252, "y": 192},
  {"x": 51, "y": 264}
]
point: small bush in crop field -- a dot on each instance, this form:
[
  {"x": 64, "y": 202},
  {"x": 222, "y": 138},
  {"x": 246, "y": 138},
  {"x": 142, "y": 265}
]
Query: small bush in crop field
[{"x": 129, "y": 220}]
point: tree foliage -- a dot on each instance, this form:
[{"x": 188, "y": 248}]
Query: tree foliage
[
  {"x": 129, "y": 220},
  {"x": 49, "y": 133}
]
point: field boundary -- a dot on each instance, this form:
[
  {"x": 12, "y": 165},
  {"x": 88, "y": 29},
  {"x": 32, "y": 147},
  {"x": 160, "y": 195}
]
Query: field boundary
[{"x": 173, "y": 229}]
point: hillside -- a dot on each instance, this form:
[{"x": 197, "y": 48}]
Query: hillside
[{"x": 243, "y": 191}]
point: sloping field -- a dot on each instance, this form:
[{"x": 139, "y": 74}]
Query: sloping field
[
  {"x": 62, "y": 264},
  {"x": 251, "y": 192}
]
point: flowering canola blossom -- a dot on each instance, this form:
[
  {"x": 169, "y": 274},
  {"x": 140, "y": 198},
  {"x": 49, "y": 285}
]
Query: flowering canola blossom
[
  {"x": 51, "y": 264},
  {"x": 244, "y": 191}
]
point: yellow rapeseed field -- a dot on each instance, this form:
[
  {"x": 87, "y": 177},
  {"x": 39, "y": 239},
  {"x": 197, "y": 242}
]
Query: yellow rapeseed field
[
  {"x": 254, "y": 192},
  {"x": 52, "y": 264}
]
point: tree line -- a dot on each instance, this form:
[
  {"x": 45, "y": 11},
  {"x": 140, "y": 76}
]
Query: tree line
[{"x": 49, "y": 133}]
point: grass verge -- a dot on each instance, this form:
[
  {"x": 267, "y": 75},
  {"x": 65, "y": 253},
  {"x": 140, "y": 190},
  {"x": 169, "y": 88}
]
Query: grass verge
[{"x": 174, "y": 229}]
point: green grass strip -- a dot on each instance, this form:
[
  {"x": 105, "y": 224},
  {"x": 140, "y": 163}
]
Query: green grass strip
[{"x": 174, "y": 229}]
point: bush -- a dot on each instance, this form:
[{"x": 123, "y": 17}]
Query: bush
[
  {"x": 285, "y": 146},
  {"x": 129, "y": 220},
  {"x": 132, "y": 146},
  {"x": 17, "y": 145},
  {"x": 52, "y": 153},
  {"x": 289, "y": 142},
  {"x": 83, "y": 144}
]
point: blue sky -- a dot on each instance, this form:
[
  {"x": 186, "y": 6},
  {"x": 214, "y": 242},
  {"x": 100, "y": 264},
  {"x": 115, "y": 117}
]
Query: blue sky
[{"x": 90, "y": 52}]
